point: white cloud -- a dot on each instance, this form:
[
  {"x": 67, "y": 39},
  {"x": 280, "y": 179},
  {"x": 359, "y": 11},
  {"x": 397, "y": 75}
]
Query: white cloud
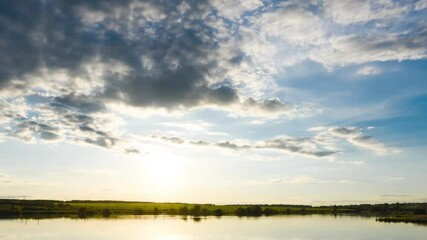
[
  {"x": 369, "y": 70},
  {"x": 196, "y": 126},
  {"x": 350, "y": 11},
  {"x": 324, "y": 144},
  {"x": 305, "y": 179},
  {"x": 355, "y": 48},
  {"x": 293, "y": 33},
  {"x": 355, "y": 136},
  {"x": 68, "y": 119},
  {"x": 189, "y": 125},
  {"x": 146, "y": 57},
  {"x": 420, "y": 5},
  {"x": 395, "y": 179},
  {"x": 233, "y": 9}
]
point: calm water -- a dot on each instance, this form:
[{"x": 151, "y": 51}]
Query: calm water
[{"x": 225, "y": 228}]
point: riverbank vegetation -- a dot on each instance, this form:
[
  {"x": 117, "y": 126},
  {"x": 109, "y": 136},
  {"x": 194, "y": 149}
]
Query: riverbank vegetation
[{"x": 10, "y": 208}]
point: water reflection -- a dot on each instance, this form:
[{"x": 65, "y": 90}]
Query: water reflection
[{"x": 231, "y": 228}]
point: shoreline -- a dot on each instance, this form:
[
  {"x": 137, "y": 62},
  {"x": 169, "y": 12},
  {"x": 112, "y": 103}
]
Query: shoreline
[{"x": 27, "y": 209}]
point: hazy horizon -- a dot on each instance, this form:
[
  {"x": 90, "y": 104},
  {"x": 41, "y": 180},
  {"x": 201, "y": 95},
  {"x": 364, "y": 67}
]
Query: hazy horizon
[{"x": 214, "y": 101}]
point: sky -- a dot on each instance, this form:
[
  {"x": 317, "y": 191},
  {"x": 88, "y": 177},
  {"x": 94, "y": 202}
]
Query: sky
[{"x": 214, "y": 101}]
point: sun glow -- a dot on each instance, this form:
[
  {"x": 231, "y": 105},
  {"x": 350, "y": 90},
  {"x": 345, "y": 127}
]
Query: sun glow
[{"x": 165, "y": 169}]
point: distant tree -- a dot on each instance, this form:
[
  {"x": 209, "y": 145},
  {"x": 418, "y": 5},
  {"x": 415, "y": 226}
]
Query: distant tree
[
  {"x": 385, "y": 208},
  {"x": 419, "y": 211},
  {"x": 254, "y": 211},
  {"x": 377, "y": 209},
  {"x": 334, "y": 209},
  {"x": 195, "y": 211},
  {"x": 218, "y": 212},
  {"x": 183, "y": 210},
  {"x": 156, "y": 211},
  {"x": 13, "y": 211},
  {"x": 82, "y": 212},
  {"x": 288, "y": 211},
  {"x": 240, "y": 211},
  {"x": 106, "y": 212},
  {"x": 269, "y": 211},
  {"x": 138, "y": 211},
  {"x": 172, "y": 211},
  {"x": 205, "y": 212},
  {"x": 303, "y": 211},
  {"x": 397, "y": 208}
]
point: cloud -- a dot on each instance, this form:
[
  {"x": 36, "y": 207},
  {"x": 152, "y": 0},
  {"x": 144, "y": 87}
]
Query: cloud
[
  {"x": 68, "y": 67},
  {"x": 352, "y": 12},
  {"x": 304, "y": 179},
  {"x": 355, "y": 136},
  {"x": 142, "y": 54},
  {"x": 176, "y": 140},
  {"x": 362, "y": 48},
  {"x": 370, "y": 142},
  {"x": 324, "y": 144},
  {"x": 14, "y": 196},
  {"x": 185, "y": 54},
  {"x": 198, "y": 126},
  {"x": 395, "y": 196},
  {"x": 233, "y": 9},
  {"x": 167, "y": 57},
  {"x": 82, "y": 103},
  {"x": 334, "y": 34},
  {"x": 395, "y": 179},
  {"x": 301, "y": 146},
  {"x": 306, "y": 147},
  {"x": 232, "y": 146},
  {"x": 345, "y": 131},
  {"x": 420, "y": 5},
  {"x": 72, "y": 120},
  {"x": 369, "y": 70}
]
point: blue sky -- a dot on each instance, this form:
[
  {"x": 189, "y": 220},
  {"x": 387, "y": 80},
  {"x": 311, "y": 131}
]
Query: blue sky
[{"x": 313, "y": 102}]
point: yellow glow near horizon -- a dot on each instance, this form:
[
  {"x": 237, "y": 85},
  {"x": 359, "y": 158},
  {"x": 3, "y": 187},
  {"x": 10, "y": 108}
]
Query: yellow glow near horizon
[{"x": 165, "y": 169}]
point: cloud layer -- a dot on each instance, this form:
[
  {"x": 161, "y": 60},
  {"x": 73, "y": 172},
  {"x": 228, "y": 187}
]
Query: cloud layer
[
  {"x": 324, "y": 144},
  {"x": 68, "y": 67}
]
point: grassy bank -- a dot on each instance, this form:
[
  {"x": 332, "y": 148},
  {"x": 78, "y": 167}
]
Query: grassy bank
[
  {"x": 50, "y": 208},
  {"x": 420, "y": 219}
]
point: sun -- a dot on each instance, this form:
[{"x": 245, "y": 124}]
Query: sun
[{"x": 165, "y": 169}]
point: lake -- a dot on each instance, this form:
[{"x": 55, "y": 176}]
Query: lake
[{"x": 292, "y": 227}]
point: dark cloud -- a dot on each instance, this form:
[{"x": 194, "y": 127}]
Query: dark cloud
[
  {"x": 319, "y": 146},
  {"x": 355, "y": 136},
  {"x": 269, "y": 105},
  {"x": 229, "y": 145},
  {"x": 176, "y": 140},
  {"x": 303, "y": 146},
  {"x": 72, "y": 60},
  {"x": 168, "y": 52},
  {"x": 169, "y": 55},
  {"x": 40, "y": 34},
  {"x": 26, "y": 130},
  {"x": 49, "y": 136},
  {"x": 53, "y": 121},
  {"x": 200, "y": 142},
  {"x": 401, "y": 41},
  {"x": 132, "y": 151},
  {"x": 84, "y": 104},
  {"x": 345, "y": 131}
]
